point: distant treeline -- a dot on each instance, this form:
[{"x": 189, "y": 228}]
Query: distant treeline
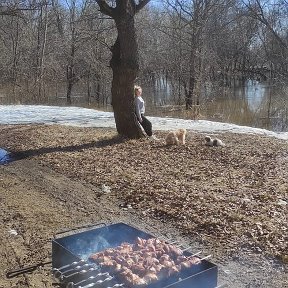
[{"x": 53, "y": 47}]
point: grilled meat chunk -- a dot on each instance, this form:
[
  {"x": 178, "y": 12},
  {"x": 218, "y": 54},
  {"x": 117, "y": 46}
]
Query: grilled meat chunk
[{"x": 144, "y": 262}]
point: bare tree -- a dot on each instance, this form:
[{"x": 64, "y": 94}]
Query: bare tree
[
  {"x": 273, "y": 18},
  {"x": 70, "y": 73},
  {"x": 79, "y": 40},
  {"x": 41, "y": 46},
  {"x": 124, "y": 64},
  {"x": 257, "y": 10},
  {"x": 194, "y": 16}
]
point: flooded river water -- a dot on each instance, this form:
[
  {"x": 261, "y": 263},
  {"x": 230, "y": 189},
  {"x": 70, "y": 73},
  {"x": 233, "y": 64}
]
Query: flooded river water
[{"x": 251, "y": 103}]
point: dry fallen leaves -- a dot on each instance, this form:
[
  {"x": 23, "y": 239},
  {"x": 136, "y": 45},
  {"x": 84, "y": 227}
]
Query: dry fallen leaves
[{"x": 226, "y": 196}]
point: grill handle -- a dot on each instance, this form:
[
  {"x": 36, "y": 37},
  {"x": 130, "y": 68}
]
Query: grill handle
[
  {"x": 27, "y": 269},
  {"x": 78, "y": 228}
]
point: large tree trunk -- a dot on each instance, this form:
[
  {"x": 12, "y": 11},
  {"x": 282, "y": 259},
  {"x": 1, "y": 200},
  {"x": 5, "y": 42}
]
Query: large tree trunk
[
  {"x": 125, "y": 65},
  {"x": 123, "y": 94}
]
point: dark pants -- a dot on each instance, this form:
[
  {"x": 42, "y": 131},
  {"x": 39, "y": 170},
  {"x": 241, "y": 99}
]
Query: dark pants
[{"x": 147, "y": 125}]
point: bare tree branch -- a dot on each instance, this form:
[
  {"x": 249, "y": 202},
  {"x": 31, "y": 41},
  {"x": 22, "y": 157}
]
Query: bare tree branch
[
  {"x": 105, "y": 8},
  {"x": 258, "y": 14},
  {"x": 17, "y": 10},
  {"x": 11, "y": 11},
  {"x": 141, "y": 5}
]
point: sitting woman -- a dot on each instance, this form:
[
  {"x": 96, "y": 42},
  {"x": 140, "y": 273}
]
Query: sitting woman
[{"x": 140, "y": 111}]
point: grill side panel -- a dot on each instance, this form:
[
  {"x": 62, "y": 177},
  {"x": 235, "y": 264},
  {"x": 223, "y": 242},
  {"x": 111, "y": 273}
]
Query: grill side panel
[
  {"x": 204, "y": 279},
  {"x": 61, "y": 256}
]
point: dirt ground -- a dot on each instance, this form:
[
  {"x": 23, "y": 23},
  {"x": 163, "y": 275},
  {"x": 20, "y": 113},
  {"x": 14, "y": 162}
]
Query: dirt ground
[{"x": 230, "y": 202}]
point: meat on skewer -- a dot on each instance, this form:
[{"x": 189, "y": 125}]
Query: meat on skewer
[
  {"x": 150, "y": 277},
  {"x": 145, "y": 261}
]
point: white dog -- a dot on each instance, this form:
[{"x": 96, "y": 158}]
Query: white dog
[
  {"x": 176, "y": 137},
  {"x": 213, "y": 142}
]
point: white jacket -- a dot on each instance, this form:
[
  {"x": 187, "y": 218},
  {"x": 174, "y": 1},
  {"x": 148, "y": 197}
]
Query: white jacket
[{"x": 140, "y": 107}]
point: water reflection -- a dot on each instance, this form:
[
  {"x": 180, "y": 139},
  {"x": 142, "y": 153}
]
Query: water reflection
[
  {"x": 255, "y": 93},
  {"x": 251, "y": 103}
]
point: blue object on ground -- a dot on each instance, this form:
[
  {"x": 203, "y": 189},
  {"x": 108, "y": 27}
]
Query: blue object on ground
[{"x": 5, "y": 157}]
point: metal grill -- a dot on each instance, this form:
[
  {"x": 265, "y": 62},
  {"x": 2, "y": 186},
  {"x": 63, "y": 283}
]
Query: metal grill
[{"x": 72, "y": 267}]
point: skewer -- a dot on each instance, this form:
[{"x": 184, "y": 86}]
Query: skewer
[
  {"x": 97, "y": 282},
  {"x": 59, "y": 274},
  {"x": 209, "y": 256},
  {"x": 72, "y": 284},
  {"x": 71, "y": 264},
  {"x": 77, "y": 268},
  {"x": 186, "y": 248},
  {"x": 64, "y": 277},
  {"x": 194, "y": 255},
  {"x": 88, "y": 286}
]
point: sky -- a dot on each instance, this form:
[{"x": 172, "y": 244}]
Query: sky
[{"x": 83, "y": 117}]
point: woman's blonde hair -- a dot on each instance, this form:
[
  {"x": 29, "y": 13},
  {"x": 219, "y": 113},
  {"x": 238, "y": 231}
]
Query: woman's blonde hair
[{"x": 137, "y": 88}]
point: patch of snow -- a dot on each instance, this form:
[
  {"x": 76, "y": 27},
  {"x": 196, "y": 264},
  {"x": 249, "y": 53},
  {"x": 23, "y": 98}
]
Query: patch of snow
[
  {"x": 282, "y": 202},
  {"x": 12, "y": 232},
  {"x": 83, "y": 117},
  {"x": 106, "y": 188}
]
